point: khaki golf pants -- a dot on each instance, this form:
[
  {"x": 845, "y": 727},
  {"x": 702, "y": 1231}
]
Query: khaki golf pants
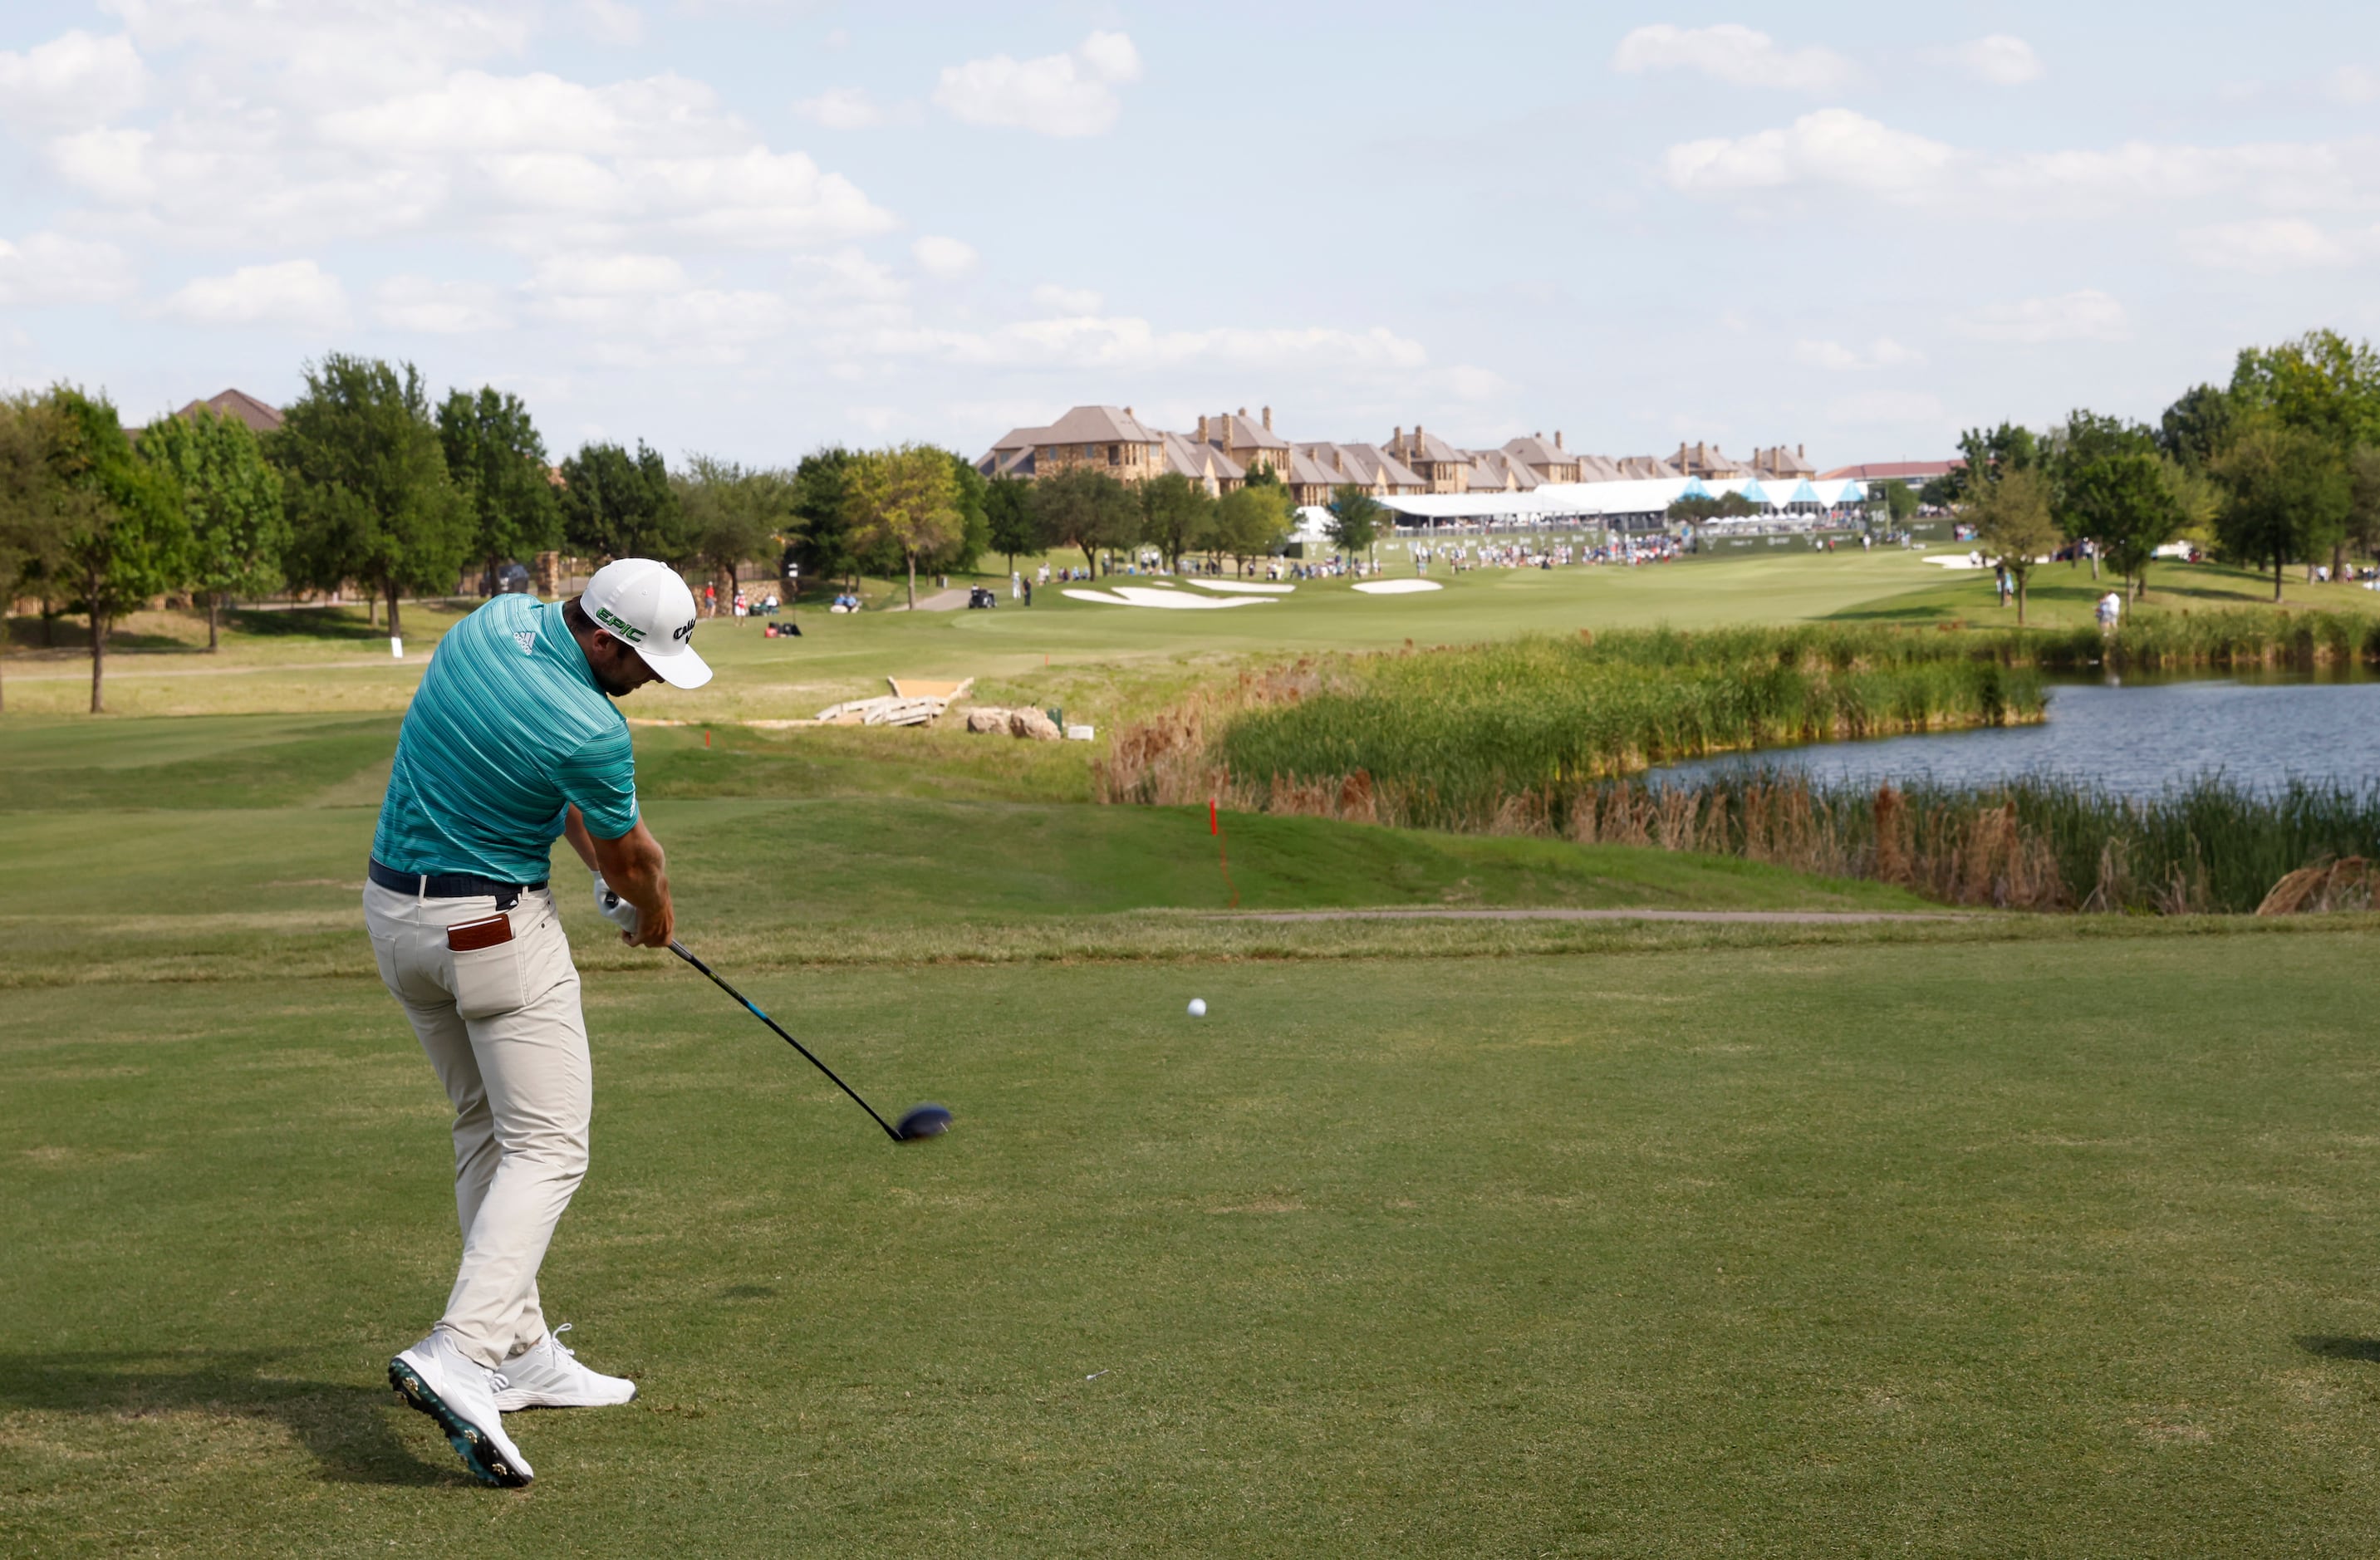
[{"x": 505, "y": 1037}]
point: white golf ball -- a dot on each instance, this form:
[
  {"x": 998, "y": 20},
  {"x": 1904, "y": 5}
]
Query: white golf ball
[{"x": 1197, "y": 1006}]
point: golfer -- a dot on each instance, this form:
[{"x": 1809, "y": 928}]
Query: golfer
[{"x": 512, "y": 740}]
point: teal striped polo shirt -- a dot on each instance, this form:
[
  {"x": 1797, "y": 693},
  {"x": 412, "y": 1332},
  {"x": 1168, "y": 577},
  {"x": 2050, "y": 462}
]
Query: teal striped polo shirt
[{"x": 507, "y": 726}]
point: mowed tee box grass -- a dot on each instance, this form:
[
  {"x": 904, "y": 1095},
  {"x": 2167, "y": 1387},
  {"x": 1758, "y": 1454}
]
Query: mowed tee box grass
[{"x": 1959, "y": 1237}]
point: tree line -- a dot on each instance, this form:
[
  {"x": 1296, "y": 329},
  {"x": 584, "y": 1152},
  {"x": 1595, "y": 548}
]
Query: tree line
[
  {"x": 2279, "y": 467},
  {"x": 1083, "y": 509},
  {"x": 367, "y": 483}
]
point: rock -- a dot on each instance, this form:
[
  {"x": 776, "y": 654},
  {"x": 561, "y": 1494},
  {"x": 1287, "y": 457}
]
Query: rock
[
  {"x": 1032, "y": 723},
  {"x": 992, "y": 721}
]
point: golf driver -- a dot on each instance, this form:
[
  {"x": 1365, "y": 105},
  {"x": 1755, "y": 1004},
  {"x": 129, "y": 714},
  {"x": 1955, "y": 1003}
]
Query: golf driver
[{"x": 918, "y": 1122}]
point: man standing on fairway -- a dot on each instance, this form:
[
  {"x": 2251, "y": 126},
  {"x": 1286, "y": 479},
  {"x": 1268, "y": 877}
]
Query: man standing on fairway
[{"x": 512, "y": 740}]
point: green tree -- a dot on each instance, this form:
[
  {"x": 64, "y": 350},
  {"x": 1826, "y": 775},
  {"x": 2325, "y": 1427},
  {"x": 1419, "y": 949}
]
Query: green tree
[
  {"x": 231, "y": 497},
  {"x": 2362, "y": 527},
  {"x": 2082, "y": 458},
  {"x": 1697, "y": 507},
  {"x": 32, "y": 501},
  {"x": 1355, "y": 519},
  {"x": 1085, "y": 508},
  {"x": 2321, "y": 382},
  {"x": 2128, "y": 504},
  {"x": 971, "y": 493},
  {"x": 2196, "y": 426},
  {"x": 1174, "y": 515},
  {"x": 496, "y": 458},
  {"x": 1010, "y": 525},
  {"x": 1986, "y": 455},
  {"x": 1251, "y": 521},
  {"x": 733, "y": 516},
  {"x": 2012, "y": 519},
  {"x": 905, "y": 499},
  {"x": 821, "y": 514},
  {"x": 365, "y": 482},
  {"x": 125, "y": 538},
  {"x": 619, "y": 506},
  {"x": 2286, "y": 492}
]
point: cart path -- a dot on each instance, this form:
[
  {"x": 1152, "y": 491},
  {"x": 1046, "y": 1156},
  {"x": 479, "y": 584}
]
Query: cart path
[{"x": 1751, "y": 917}]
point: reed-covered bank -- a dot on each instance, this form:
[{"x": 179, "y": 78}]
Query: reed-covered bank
[
  {"x": 2205, "y": 846},
  {"x": 1541, "y": 736},
  {"x": 1443, "y": 738}
]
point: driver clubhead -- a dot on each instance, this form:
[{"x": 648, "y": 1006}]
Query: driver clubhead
[{"x": 921, "y": 1121}]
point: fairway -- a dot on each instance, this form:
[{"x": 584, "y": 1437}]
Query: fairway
[
  {"x": 1905, "y": 1249},
  {"x": 1090, "y": 658},
  {"x": 1978, "y": 1234}
]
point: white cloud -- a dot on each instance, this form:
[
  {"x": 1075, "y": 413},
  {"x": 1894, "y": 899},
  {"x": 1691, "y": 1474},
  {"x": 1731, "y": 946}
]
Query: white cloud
[
  {"x": 296, "y": 295},
  {"x": 1069, "y": 94},
  {"x": 2353, "y": 84},
  {"x": 1734, "y": 54},
  {"x": 326, "y": 53},
  {"x": 841, "y": 108},
  {"x": 2088, "y": 315},
  {"x": 626, "y": 275},
  {"x": 1835, "y": 148},
  {"x": 1470, "y": 382},
  {"x": 529, "y": 161},
  {"x": 1120, "y": 344},
  {"x": 1067, "y": 300},
  {"x": 438, "y": 309},
  {"x": 1882, "y": 353},
  {"x": 2273, "y": 243},
  {"x": 943, "y": 256},
  {"x": 1832, "y": 146},
  {"x": 2001, "y": 59},
  {"x": 474, "y": 114},
  {"x": 49, "y": 268},
  {"x": 613, "y": 22},
  {"x": 1886, "y": 407},
  {"x": 74, "y": 78}
]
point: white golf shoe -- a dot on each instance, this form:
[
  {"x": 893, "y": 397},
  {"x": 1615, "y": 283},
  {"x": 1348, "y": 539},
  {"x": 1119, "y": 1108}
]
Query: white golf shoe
[
  {"x": 438, "y": 1378},
  {"x": 549, "y": 1377}
]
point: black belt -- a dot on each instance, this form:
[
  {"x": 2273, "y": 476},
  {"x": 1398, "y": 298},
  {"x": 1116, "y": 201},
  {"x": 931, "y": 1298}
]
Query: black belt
[{"x": 451, "y": 885}]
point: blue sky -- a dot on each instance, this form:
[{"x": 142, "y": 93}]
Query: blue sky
[{"x": 751, "y": 228}]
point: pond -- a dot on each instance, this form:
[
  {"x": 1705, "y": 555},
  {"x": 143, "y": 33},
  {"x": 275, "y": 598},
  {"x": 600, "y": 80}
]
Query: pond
[{"x": 2134, "y": 736}]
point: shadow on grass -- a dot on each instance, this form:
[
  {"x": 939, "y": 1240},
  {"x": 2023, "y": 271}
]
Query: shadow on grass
[
  {"x": 345, "y": 1425},
  {"x": 1886, "y": 614},
  {"x": 2342, "y": 1349},
  {"x": 72, "y": 636},
  {"x": 307, "y": 622}
]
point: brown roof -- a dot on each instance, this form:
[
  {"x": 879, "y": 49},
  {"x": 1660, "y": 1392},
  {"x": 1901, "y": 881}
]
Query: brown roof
[
  {"x": 1200, "y": 462},
  {"x": 1885, "y": 471},
  {"x": 1367, "y": 465},
  {"x": 1240, "y": 431},
  {"x": 1420, "y": 446},
  {"x": 1097, "y": 425},
  {"x": 259, "y": 417}
]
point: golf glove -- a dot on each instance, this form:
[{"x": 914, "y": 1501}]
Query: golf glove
[{"x": 615, "y": 908}]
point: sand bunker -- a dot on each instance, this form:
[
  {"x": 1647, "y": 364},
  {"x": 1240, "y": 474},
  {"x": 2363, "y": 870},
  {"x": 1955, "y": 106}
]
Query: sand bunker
[
  {"x": 1396, "y": 588},
  {"x": 1242, "y": 585},
  {"x": 1141, "y": 596}
]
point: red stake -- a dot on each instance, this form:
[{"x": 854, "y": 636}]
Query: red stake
[
  {"x": 1214, "y": 818},
  {"x": 706, "y": 736}
]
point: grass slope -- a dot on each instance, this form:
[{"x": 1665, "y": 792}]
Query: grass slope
[
  {"x": 1837, "y": 1250},
  {"x": 232, "y": 847}
]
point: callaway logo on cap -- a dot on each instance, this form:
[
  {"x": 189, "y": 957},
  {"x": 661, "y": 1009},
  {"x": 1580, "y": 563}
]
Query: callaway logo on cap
[{"x": 646, "y": 606}]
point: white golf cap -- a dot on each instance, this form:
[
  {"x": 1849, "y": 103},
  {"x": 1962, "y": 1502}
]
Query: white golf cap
[{"x": 644, "y": 604}]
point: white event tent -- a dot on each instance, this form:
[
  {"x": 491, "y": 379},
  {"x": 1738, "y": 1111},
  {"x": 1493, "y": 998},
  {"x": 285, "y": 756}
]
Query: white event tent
[{"x": 1634, "y": 497}]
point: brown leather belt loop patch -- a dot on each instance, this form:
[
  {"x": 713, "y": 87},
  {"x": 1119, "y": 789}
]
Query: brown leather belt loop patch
[{"x": 488, "y": 931}]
